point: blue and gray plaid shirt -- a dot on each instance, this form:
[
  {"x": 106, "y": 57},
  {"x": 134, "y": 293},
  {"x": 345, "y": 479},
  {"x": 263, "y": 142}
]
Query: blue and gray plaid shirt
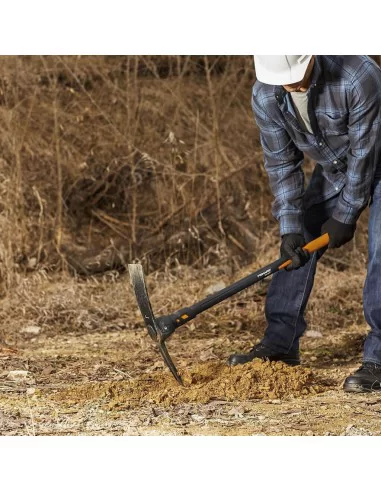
[{"x": 344, "y": 106}]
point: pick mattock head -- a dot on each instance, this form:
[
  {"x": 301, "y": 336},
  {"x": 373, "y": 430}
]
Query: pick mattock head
[{"x": 141, "y": 294}]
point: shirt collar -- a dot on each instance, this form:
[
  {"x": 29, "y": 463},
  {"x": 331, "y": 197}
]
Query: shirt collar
[{"x": 317, "y": 73}]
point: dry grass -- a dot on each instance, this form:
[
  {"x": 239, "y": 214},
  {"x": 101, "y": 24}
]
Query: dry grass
[{"x": 145, "y": 153}]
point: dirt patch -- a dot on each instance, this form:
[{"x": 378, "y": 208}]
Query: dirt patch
[{"x": 202, "y": 383}]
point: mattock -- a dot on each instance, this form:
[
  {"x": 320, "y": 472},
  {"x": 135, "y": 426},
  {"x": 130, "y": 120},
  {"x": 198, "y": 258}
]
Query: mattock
[{"x": 161, "y": 328}]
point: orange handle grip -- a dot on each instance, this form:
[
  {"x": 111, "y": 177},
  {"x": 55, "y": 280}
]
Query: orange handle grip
[{"x": 311, "y": 247}]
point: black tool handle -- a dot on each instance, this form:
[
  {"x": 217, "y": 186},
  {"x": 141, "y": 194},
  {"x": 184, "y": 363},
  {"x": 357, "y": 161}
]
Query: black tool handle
[{"x": 184, "y": 315}]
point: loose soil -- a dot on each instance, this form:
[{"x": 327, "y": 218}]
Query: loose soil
[{"x": 202, "y": 383}]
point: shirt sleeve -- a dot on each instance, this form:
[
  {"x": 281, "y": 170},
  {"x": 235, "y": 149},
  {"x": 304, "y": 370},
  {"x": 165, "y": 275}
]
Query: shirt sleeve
[
  {"x": 364, "y": 131},
  {"x": 283, "y": 164}
]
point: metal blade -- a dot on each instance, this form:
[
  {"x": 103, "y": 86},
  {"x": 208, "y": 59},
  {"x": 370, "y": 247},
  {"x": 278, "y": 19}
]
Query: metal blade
[
  {"x": 141, "y": 294},
  {"x": 168, "y": 360}
]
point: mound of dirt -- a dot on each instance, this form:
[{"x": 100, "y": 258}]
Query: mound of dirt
[{"x": 202, "y": 383}]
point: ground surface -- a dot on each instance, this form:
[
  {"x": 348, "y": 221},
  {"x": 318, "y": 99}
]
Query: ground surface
[{"x": 92, "y": 369}]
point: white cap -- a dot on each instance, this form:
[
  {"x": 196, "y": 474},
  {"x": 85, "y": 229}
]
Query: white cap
[{"x": 281, "y": 69}]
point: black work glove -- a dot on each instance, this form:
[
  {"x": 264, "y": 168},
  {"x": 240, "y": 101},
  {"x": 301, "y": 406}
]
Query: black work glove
[
  {"x": 339, "y": 233},
  {"x": 292, "y": 247}
]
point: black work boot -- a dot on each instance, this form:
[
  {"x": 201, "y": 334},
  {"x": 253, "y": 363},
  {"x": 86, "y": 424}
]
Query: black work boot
[
  {"x": 260, "y": 351},
  {"x": 366, "y": 379}
]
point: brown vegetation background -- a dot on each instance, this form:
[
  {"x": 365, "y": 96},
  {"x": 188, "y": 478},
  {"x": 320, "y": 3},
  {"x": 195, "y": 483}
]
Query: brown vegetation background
[
  {"x": 149, "y": 158},
  {"x": 111, "y": 159}
]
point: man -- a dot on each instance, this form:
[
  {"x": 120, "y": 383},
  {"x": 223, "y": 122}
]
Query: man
[{"x": 329, "y": 108}]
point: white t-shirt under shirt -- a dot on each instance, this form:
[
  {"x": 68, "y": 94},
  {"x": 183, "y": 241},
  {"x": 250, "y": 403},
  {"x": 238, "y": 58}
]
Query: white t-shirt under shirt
[{"x": 300, "y": 100}]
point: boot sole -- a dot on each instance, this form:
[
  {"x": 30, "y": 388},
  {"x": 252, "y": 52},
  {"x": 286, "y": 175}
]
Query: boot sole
[
  {"x": 360, "y": 388},
  {"x": 293, "y": 362}
]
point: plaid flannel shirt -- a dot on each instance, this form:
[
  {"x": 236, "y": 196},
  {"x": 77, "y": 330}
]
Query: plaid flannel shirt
[{"x": 344, "y": 106}]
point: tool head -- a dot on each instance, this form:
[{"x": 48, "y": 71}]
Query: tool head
[{"x": 141, "y": 294}]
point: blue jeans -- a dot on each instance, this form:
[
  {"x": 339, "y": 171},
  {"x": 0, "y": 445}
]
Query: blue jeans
[{"x": 289, "y": 292}]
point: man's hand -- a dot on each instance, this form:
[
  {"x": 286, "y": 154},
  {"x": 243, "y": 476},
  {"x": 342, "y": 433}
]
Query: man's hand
[
  {"x": 339, "y": 233},
  {"x": 292, "y": 247}
]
